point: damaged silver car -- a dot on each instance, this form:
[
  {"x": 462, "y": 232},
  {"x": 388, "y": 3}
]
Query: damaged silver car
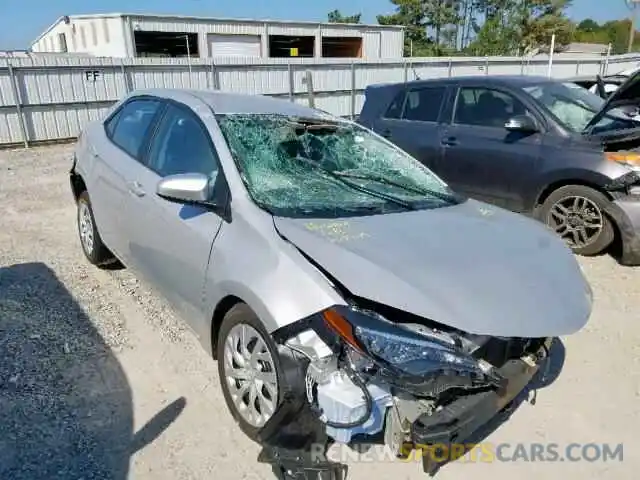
[{"x": 322, "y": 266}]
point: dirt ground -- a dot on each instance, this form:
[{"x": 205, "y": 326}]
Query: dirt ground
[{"x": 98, "y": 378}]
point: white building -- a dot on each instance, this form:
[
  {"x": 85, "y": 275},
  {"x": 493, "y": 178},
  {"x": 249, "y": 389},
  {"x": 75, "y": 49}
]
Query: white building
[{"x": 125, "y": 35}]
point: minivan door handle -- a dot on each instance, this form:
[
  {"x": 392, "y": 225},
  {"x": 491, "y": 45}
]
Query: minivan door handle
[
  {"x": 449, "y": 141},
  {"x": 386, "y": 133},
  {"x": 136, "y": 189}
]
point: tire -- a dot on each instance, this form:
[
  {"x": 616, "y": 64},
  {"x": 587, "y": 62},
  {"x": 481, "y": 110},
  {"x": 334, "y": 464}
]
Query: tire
[
  {"x": 241, "y": 318},
  {"x": 577, "y": 214},
  {"x": 92, "y": 247}
]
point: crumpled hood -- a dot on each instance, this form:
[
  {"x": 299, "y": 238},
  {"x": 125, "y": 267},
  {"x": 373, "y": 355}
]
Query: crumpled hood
[{"x": 473, "y": 267}]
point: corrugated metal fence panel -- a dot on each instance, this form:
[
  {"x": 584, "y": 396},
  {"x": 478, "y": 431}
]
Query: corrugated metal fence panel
[
  {"x": 253, "y": 79},
  {"x": 59, "y": 95},
  {"x": 44, "y": 123},
  {"x": 386, "y": 73},
  {"x": 6, "y": 88},
  {"x": 72, "y": 84},
  {"x": 10, "y": 127},
  {"x": 198, "y": 77}
]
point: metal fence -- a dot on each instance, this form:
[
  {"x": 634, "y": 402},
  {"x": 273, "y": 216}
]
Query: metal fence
[{"x": 52, "y": 98}]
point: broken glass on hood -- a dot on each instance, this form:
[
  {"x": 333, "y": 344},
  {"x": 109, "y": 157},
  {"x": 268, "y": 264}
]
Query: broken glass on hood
[{"x": 304, "y": 167}]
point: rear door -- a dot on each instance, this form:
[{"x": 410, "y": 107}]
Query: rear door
[
  {"x": 412, "y": 122},
  {"x": 116, "y": 152},
  {"x": 170, "y": 242},
  {"x": 481, "y": 158}
]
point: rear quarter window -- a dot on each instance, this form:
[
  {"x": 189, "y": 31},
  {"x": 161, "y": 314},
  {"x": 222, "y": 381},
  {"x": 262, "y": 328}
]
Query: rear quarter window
[
  {"x": 395, "y": 108},
  {"x": 424, "y": 104}
]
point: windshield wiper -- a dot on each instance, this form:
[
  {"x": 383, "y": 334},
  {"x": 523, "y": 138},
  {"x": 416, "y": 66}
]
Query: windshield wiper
[
  {"x": 355, "y": 186},
  {"x": 449, "y": 198}
]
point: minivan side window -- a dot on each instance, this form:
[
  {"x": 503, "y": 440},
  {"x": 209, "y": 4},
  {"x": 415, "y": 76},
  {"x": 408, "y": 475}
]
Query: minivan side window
[
  {"x": 181, "y": 145},
  {"x": 395, "y": 109},
  {"x": 486, "y": 107},
  {"x": 132, "y": 124},
  {"x": 424, "y": 104}
]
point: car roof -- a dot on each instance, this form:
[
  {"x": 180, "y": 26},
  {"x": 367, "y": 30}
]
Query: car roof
[
  {"x": 236, "y": 103},
  {"x": 496, "y": 80}
]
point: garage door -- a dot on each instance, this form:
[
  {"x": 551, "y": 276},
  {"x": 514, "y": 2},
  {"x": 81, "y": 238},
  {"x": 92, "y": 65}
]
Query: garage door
[{"x": 234, "y": 45}]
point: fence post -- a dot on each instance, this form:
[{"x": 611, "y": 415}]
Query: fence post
[
  {"x": 577, "y": 66},
  {"x": 292, "y": 80},
  {"x": 308, "y": 80},
  {"x": 522, "y": 65},
  {"x": 406, "y": 72},
  {"x": 486, "y": 66},
  {"x": 18, "y": 100},
  {"x": 216, "y": 75},
  {"x": 353, "y": 90},
  {"x": 125, "y": 77},
  {"x": 450, "y": 67}
]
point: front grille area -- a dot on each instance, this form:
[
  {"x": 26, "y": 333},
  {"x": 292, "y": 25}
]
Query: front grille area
[{"x": 497, "y": 350}]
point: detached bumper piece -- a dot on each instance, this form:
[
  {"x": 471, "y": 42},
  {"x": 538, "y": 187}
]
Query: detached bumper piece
[
  {"x": 457, "y": 421},
  {"x": 296, "y": 464}
]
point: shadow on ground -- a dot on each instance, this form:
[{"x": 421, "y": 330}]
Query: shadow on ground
[{"x": 65, "y": 403}]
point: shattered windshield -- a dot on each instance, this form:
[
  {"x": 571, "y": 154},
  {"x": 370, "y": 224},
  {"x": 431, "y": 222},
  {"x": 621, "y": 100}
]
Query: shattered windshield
[
  {"x": 575, "y": 106},
  {"x": 327, "y": 168}
]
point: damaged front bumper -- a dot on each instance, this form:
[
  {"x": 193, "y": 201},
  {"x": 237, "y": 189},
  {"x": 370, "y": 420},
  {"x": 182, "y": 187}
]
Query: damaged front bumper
[
  {"x": 460, "y": 419},
  {"x": 354, "y": 392}
]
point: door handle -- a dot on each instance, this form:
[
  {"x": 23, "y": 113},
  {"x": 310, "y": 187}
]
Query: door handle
[
  {"x": 449, "y": 141},
  {"x": 386, "y": 133},
  {"x": 136, "y": 189}
]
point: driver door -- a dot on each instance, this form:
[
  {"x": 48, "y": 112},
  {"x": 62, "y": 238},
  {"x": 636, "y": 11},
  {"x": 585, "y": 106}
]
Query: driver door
[{"x": 170, "y": 243}]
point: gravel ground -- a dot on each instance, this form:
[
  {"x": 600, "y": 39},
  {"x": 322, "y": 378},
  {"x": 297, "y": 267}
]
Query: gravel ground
[{"x": 98, "y": 379}]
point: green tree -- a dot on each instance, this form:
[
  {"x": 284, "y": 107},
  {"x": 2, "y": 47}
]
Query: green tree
[
  {"x": 615, "y": 32},
  {"x": 336, "y": 17},
  {"x": 588, "y": 25},
  {"x": 521, "y": 26},
  {"x": 428, "y": 24}
]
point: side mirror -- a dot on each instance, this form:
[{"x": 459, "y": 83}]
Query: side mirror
[
  {"x": 185, "y": 187},
  {"x": 521, "y": 123}
]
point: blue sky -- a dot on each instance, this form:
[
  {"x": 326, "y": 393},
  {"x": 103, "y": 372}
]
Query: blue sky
[{"x": 21, "y": 21}]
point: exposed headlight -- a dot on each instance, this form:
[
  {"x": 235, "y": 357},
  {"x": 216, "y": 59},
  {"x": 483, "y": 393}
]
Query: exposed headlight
[{"x": 401, "y": 348}]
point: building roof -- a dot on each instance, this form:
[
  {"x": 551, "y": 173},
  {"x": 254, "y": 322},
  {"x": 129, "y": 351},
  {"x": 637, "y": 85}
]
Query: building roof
[{"x": 187, "y": 18}]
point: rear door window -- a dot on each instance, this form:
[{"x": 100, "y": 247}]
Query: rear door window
[
  {"x": 132, "y": 125},
  {"x": 424, "y": 104}
]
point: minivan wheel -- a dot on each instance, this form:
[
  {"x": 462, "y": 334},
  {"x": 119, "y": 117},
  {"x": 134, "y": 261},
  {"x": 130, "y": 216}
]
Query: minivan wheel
[
  {"x": 577, "y": 214},
  {"x": 249, "y": 369},
  {"x": 95, "y": 251}
]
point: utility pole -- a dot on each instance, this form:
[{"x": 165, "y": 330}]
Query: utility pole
[{"x": 632, "y": 5}]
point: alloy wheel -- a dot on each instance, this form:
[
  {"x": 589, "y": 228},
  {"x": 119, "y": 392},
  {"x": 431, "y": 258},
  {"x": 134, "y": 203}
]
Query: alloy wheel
[
  {"x": 85, "y": 224},
  {"x": 250, "y": 374},
  {"x": 578, "y": 220}
]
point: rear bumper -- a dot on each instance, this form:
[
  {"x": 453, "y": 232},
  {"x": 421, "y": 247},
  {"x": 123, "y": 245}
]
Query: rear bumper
[
  {"x": 460, "y": 419},
  {"x": 626, "y": 214}
]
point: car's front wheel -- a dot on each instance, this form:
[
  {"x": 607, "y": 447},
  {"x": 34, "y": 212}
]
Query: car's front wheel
[
  {"x": 95, "y": 251},
  {"x": 250, "y": 370},
  {"x": 577, "y": 214}
]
